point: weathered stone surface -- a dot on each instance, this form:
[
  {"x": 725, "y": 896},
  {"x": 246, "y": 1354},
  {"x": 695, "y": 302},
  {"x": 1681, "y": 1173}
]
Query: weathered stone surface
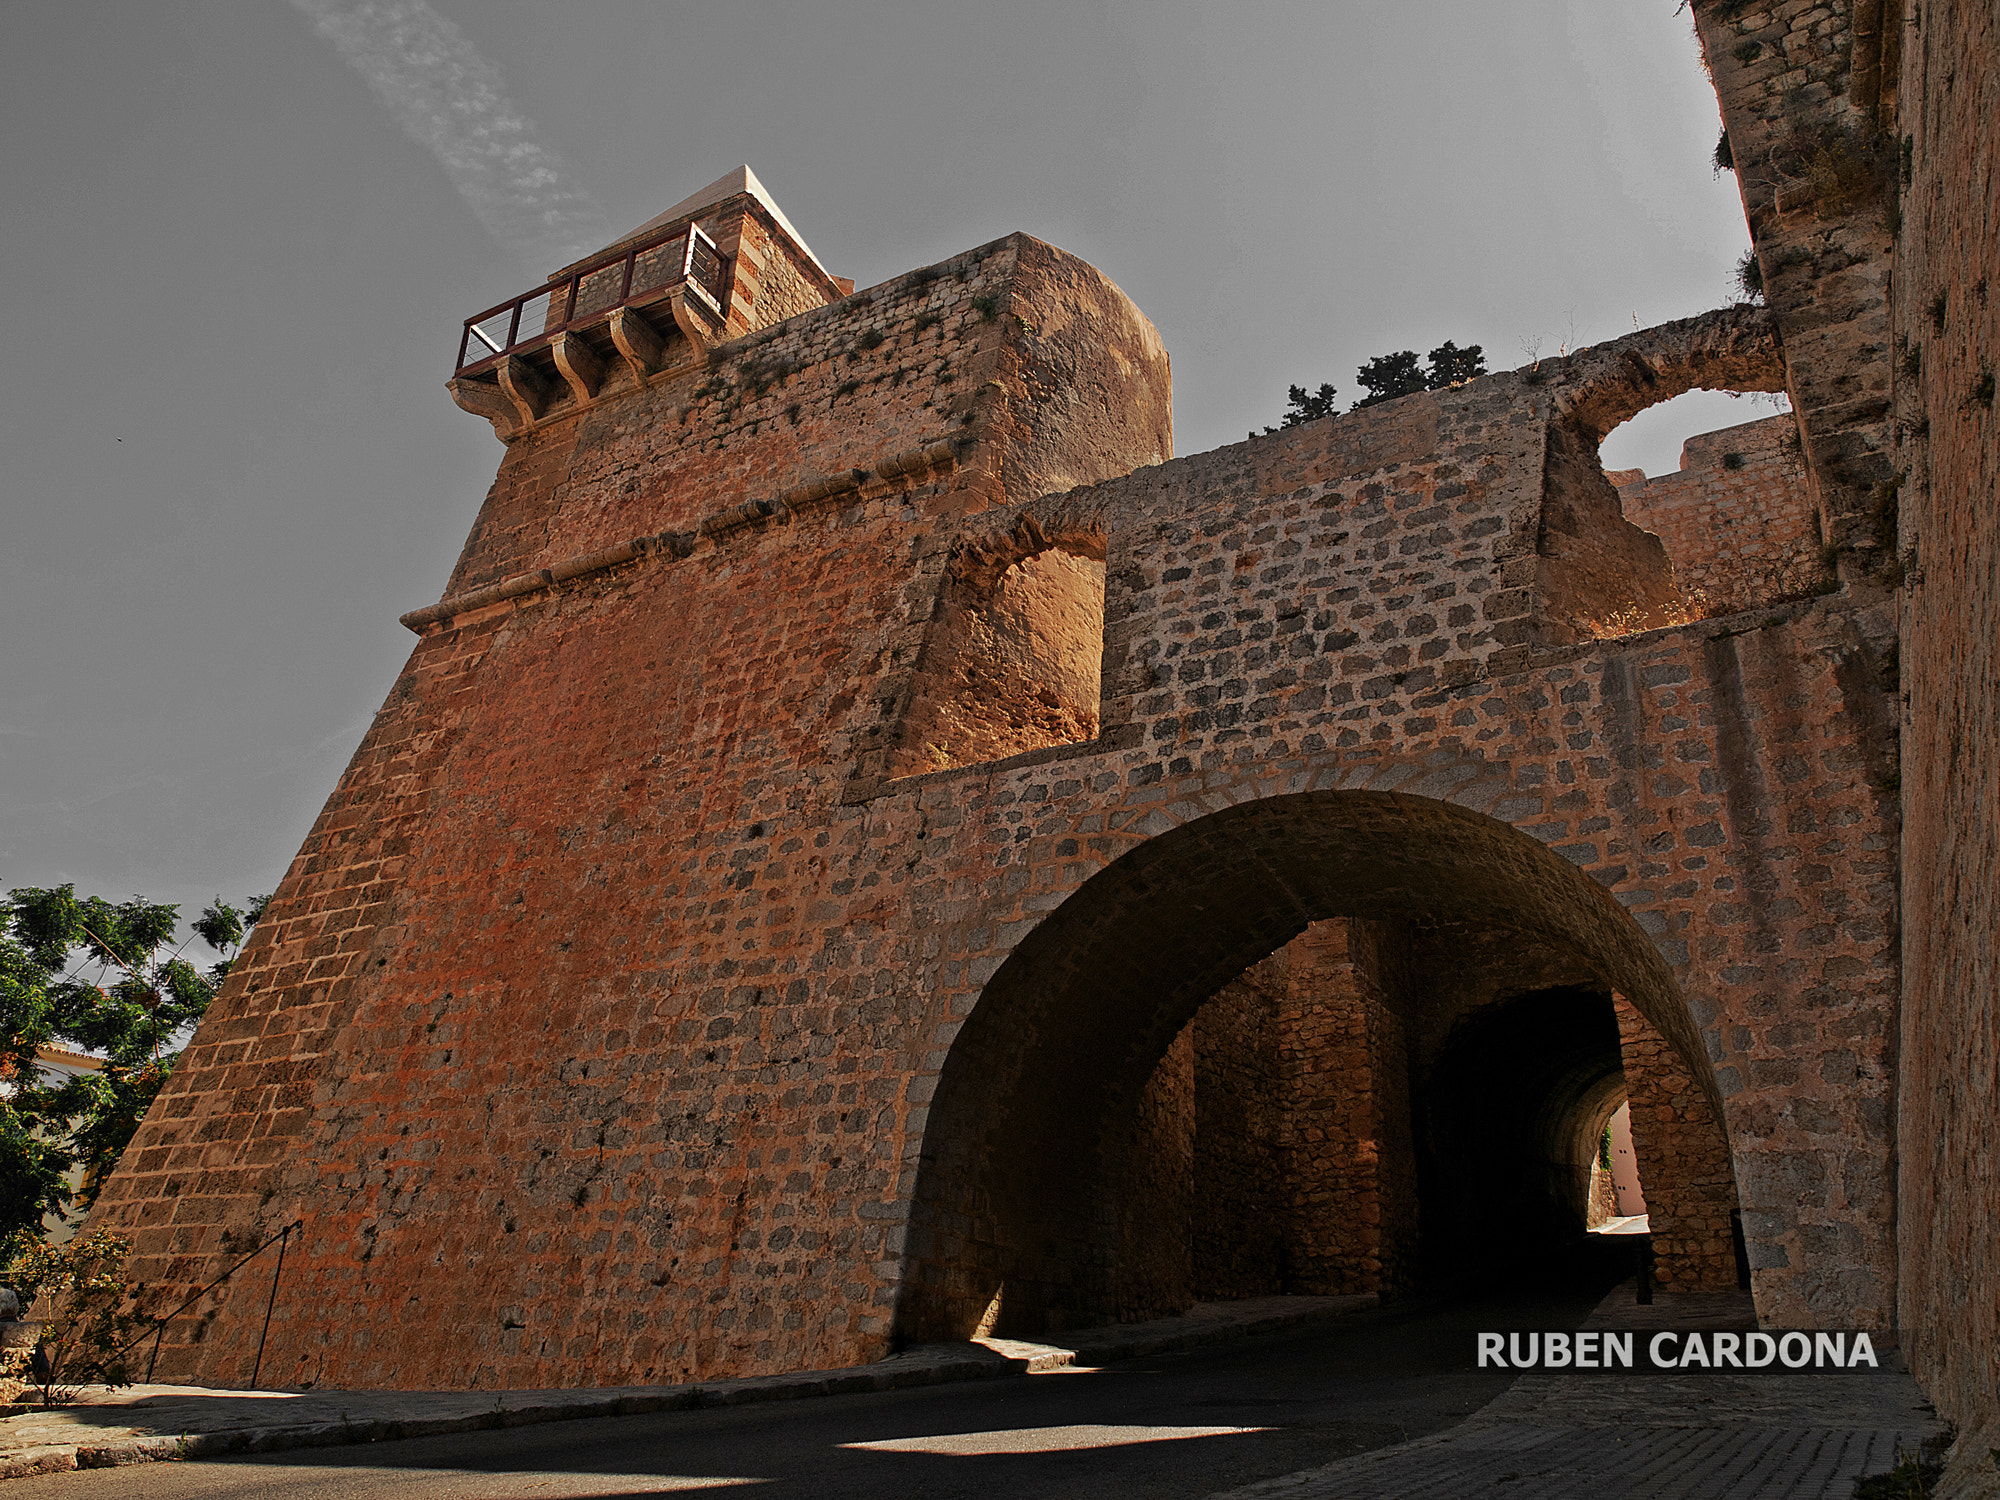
[
  {"x": 1946, "y": 524},
  {"x": 645, "y": 1005},
  {"x": 1736, "y": 521}
]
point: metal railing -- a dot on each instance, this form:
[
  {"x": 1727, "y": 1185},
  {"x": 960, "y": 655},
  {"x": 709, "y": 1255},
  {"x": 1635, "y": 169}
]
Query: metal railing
[
  {"x": 159, "y": 1328},
  {"x": 641, "y": 273}
]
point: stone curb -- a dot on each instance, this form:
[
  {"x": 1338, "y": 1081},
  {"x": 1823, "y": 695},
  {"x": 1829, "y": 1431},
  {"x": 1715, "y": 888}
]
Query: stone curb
[{"x": 928, "y": 1364}]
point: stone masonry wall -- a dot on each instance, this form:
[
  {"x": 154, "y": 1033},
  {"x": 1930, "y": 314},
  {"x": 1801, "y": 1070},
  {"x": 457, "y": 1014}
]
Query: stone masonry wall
[
  {"x": 1946, "y": 315},
  {"x": 1735, "y": 519},
  {"x": 1241, "y": 1198},
  {"x": 1684, "y": 1167},
  {"x": 1808, "y": 104},
  {"x": 684, "y": 1042},
  {"x": 1349, "y": 1167},
  {"x": 417, "y": 922}
]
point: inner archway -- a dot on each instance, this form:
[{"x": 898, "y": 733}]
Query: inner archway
[{"x": 1020, "y": 1191}]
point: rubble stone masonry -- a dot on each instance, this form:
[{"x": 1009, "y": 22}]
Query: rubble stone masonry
[
  {"x": 647, "y": 1002},
  {"x": 1946, "y": 498},
  {"x": 622, "y": 1018},
  {"x": 1735, "y": 519}
]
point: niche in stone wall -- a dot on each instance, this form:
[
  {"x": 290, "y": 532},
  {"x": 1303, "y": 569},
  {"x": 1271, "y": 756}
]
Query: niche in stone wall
[{"x": 1013, "y": 655}]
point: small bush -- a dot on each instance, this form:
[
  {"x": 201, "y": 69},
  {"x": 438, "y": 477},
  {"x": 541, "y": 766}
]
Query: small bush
[
  {"x": 1916, "y": 1473},
  {"x": 1750, "y": 277},
  {"x": 86, "y": 1309}
]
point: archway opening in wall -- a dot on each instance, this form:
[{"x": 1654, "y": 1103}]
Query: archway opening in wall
[
  {"x": 1720, "y": 478},
  {"x": 1617, "y": 1195},
  {"x": 1631, "y": 540},
  {"x": 1513, "y": 1111},
  {"x": 1398, "y": 937}
]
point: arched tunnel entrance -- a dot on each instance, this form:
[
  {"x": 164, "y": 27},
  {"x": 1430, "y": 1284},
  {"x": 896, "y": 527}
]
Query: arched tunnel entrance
[{"x": 1083, "y": 1164}]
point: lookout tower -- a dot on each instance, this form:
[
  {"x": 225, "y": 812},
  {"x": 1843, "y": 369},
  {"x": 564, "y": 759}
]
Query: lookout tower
[{"x": 720, "y": 263}]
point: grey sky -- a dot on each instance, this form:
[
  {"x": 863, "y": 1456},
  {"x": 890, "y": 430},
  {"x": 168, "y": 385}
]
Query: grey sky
[{"x": 240, "y": 237}]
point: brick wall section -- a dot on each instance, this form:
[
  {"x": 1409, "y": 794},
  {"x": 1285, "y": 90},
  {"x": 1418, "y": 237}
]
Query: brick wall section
[
  {"x": 775, "y": 278},
  {"x": 1159, "y": 1193},
  {"x": 688, "y": 1045},
  {"x": 1812, "y": 138},
  {"x": 1274, "y": 1138},
  {"x": 1735, "y": 518},
  {"x": 1684, "y": 1166},
  {"x": 1947, "y": 322}
]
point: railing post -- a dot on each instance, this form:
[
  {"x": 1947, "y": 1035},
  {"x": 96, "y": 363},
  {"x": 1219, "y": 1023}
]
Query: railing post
[
  {"x": 569, "y": 311},
  {"x": 158, "y": 1334},
  {"x": 631, "y": 264},
  {"x": 514, "y": 323},
  {"x": 464, "y": 340},
  {"x": 283, "y": 1240}
]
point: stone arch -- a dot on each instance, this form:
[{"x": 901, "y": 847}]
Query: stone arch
[
  {"x": 1729, "y": 349},
  {"x": 1593, "y": 564},
  {"x": 1016, "y": 1191}
]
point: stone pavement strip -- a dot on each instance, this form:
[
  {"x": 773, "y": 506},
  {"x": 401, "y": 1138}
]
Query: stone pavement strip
[
  {"x": 1694, "y": 1434},
  {"x": 161, "y": 1423}
]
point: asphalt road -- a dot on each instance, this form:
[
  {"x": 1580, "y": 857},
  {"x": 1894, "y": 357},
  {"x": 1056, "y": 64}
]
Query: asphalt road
[{"x": 1184, "y": 1424}]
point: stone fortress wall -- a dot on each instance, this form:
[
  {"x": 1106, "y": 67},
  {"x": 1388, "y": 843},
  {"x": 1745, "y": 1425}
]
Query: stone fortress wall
[
  {"x": 755, "y": 931},
  {"x": 1862, "y": 132},
  {"x": 630, "y": 1014}
]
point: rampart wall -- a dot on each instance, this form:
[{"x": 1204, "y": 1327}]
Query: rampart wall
[
  {"x": 640, "y": 1009},
  {"x": 1946, "y": 318}
]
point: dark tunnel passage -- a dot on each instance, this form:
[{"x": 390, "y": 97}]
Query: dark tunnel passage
[{"x": 1509, "y": 1117}]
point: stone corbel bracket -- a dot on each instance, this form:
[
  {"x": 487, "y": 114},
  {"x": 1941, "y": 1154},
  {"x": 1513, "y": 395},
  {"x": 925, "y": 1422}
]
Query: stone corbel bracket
[{"x": 518, "y": 397}]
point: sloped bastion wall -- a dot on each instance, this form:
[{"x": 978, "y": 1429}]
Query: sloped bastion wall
[{"x": 638, "y": 1010}]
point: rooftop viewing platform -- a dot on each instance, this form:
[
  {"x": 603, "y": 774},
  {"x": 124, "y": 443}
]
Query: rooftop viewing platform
[
  {"x": 644, "y": 273},
  {"x": 713, "y": 267}
]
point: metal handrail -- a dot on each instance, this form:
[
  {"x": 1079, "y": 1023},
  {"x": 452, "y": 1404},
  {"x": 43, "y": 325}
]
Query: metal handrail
[
  {"x": 159, "y": 1329},
  {"x": 700, "y": 266}
]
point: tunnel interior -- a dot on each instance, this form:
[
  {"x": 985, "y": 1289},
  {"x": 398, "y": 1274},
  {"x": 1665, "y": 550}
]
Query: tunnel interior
[{"x": 1322, "y": 1043}]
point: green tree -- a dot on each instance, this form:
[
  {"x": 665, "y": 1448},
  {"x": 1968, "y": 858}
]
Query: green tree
[
  {"x": 1306, "y": 406},
  {"x": 106, "y": 978},
  {"x": 1451, "y": 365},
  {"x": 1387, "y": 376}
]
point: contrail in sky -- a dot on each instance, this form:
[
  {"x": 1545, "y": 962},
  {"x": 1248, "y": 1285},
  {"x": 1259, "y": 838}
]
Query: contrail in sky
[{"x": 453, "y": 101}]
